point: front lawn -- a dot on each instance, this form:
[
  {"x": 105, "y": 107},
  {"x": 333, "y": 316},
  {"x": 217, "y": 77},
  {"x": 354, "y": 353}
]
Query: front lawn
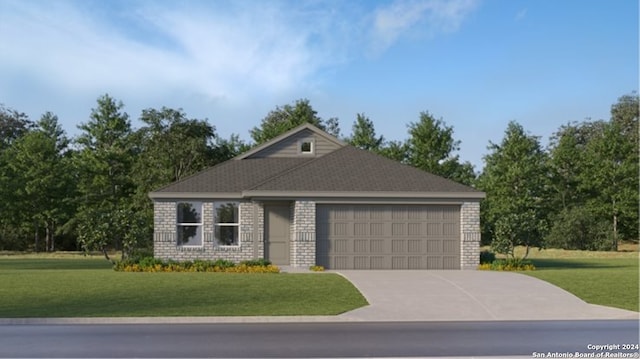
[
  {"x": 611, "y": 282},
  {"x": 79, "y": 287}
]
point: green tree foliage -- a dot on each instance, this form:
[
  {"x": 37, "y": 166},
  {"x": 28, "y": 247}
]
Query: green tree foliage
[
  {"x": 395, "y": 150},
  {"x": 285, "y": 118},
  {"x": 226, "y": 149},
  {"x": 43, "y": 184},
  {"x": 13, "y": 124},
  {"x": 363, "y": 134},
  {"x": 594, "y": 177},
  {"x": 431, "y": 147},
  {"x": 171, "y": 147},
  {"x": 104, "y": 161},
  {"x": 610, "y": 176},
  {"x": 515, "y": 181}
]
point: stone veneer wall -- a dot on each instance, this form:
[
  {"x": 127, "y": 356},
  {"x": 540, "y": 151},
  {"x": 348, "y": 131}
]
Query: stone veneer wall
[
  {"x": 470, "y": 235},
  {"x": 303, "y": 230},
  {"x": 165, "y": 241}
]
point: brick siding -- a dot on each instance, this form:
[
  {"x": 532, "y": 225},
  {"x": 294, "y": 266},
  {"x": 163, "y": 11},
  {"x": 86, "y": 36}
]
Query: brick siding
[
  {"x": 303, "y": 230},
  {"x": 470, "y": 235},
  {"x": 165, "y": 241}
]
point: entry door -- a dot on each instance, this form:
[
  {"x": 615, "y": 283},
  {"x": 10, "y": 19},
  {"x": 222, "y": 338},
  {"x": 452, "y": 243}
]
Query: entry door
[{"x": 277, "y": 233}]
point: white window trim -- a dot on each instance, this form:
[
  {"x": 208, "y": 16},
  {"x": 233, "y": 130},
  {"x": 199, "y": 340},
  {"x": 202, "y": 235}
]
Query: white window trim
[
  {"x": 216, "y": 243},
  {"x": 190, "y": 224},
  {"x": 310, "y": 141}
]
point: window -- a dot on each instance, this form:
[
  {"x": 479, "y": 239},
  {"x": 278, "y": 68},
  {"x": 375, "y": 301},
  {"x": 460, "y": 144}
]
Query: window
[
  {"x": 306, "y": 146},
  {"x": 226, "y": 223},
  {"x": 189, "y": 224}
]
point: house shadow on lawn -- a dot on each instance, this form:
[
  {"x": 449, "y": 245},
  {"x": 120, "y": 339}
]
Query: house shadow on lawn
[{"x": 558, "y": 263}]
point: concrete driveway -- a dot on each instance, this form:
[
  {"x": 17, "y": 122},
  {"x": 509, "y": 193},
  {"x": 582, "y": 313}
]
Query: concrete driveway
[{"x": 467, "y": 295}]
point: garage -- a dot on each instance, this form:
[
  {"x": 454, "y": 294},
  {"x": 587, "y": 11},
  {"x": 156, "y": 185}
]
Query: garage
[{"x": 359, "y": 236}]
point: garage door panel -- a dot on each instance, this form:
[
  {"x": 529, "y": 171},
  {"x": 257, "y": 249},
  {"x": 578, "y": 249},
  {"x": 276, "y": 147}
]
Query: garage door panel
[
  {"x": 398, "y": 246},
  {"x": 398, "y": 229},
  {"x": 434, "y": 246},
  {"x": 360, "y": 262},
  {"x": 415, "y": 229},
  {"x": 378, "y": 262},
  {"x": 415, "y": 245},
  {"x": 450, "y": 247},
  {"x": 361, "y": 229},
  {"x": 434, "y": 262},
  {"x": 361, "y": 246},
  {"x": 388, "y": 236},
  {"x": 450, "y": 229},
  {"x": 450, "y": 262},
  {"x": 377, "y": 229},
  {"x": 399, "y": 262},
  {"x": 377, "y": 246}
]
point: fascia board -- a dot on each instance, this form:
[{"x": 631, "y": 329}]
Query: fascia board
[
  {"x": 195, "y": 195},
  {"x": 362, "y": 195}
]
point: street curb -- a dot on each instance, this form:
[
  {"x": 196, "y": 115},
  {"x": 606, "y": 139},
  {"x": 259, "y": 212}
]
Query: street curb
[{"x": 176, "y": 320}]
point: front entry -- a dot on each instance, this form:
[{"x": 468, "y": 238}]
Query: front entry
[{"x": 277, "y": 233}]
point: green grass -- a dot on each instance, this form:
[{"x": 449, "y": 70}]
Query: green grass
[
  {"x": 88, "y": 287},
  {"x": 611, "y": 282}
]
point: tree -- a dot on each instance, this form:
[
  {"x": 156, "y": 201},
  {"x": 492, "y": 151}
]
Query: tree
[
  {"x": 611, "y": 176},
  {"x": 226, "y": 149},
  {"x": 171, "y": 147},
  {"x": 566, "y": 150},
  {"x": 431, "y": 147},
  {"x": 515, "y": 181},
  {"x": 104, "y": 161},
  {"x": 285, "y": 118},
  {"x": 332, "y": 127},
  {"x": 13, "y": 124},
  {"x": 44, "y": 189},
  {"x": 395, "y": 150},
  {"x": 363, "y": 134}
]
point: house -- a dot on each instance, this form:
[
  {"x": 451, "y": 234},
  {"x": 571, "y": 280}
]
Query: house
[{"x": 306, "y": 198}]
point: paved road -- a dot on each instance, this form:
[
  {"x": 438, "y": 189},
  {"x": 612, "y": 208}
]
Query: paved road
[{"x": 286, "y": 340}]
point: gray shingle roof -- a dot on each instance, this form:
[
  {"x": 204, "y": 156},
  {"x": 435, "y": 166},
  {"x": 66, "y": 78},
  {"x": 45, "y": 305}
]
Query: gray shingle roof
[
  {"x": 353, "y": 170},
  {"x": 234, "y": 175},
  {"x": 347, "y": 169}
]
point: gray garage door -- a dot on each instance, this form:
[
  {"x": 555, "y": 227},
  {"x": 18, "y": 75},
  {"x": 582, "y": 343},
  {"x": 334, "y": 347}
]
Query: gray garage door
[{"x": 388, "y": 236}]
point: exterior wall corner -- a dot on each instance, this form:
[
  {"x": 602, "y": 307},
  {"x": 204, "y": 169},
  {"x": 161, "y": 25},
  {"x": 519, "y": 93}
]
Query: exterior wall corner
[{"x": 470, "y": 236}]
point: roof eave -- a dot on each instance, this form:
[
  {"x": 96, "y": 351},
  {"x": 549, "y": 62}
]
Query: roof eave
[
  {"x": 362, "y": 195},
  {"x": 195, "y": 195}
]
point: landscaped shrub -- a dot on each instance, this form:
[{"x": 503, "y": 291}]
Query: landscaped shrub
[
  {"x": 150, "y": 264},
  {"x": 487, "y": 257},
  {"x": 257, "y": 262},
  {"x": 510, "y": 264},
  {"x": 316, "y": 268}
]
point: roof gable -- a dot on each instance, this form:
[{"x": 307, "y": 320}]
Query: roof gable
[{"x": 288, "y": 144}]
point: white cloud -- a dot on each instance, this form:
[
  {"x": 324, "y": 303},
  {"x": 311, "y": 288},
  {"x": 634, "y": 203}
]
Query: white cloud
[
  {"x": 205, "y": 49},
  {"x": 396, "y": 19}
]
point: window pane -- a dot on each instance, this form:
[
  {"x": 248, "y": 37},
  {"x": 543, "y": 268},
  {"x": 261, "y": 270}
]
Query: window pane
[
  {"x": 227, "y": 235},
  {"x": 226, "y": 212},
  {"x": 189, "y": 235},
  {"x": 306, "y": 147},
  {"x": 190, "y": 212}
]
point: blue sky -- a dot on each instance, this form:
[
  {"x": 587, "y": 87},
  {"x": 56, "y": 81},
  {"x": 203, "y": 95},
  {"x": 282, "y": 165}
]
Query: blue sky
[{"x": 477, "y": 64}]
